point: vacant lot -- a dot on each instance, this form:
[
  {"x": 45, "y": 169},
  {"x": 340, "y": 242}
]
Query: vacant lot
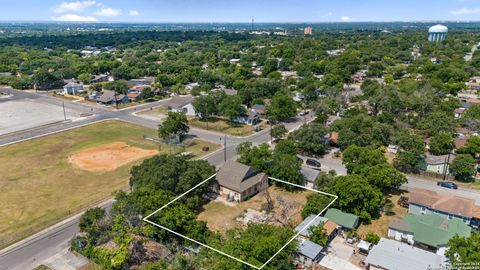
[
  {"x": 380, "y": 226},
  {"x": 40, "y": 186},
  {"x": 221, "y": 216}
]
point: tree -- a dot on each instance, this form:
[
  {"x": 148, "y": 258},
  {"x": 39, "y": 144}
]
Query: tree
[
  {"x": 45, "y": 80},
  {"x": 318, "y": 234},
  {"x": 287, "y": 168},
  {"x": 147, "y": 93},
  {"x": 464, "y": 249},
  {"x": 278, "y": 131},
  {"x": 205, "y": 106},
  {"x": 85, "y": 78},
  {"x": 436, "y": 122},
  {"x": 324, "y": 178},
  {"x": 357, "y": 196},
  {"x": 383, "y": 176},
  {"x": 441, "y": 143},
  {"x": 231, "y": 107},
  {"x": 463, "y": 167},
  {"x": 355, "y": 158},
  {"x": 256, "y": 244},
  {"x": 174, "y": 126},
  {"x": 282, "y": 107},
  {"x": 409, "y": 161},
  {"x": 259, "y": 157},
  {"x": 90, "y": 222},
  {"x": 372, "y": 237},
  {"x": 287, "y": 147},
  {"x": 315, "y": 204},
  {"x": 311, "y": 138},
  {"x": 119, "y": 86},
  {"x": 472, "y": 147}
]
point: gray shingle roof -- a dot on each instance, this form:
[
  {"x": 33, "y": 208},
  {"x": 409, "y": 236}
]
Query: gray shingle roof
[
  {"x": 304, "y": 223},
  {"x": 178, "y": 102},
  {"x": 390, "y": 254},
  {"x": 309, "y": 249},
  {"x": 238, "y": 177}
]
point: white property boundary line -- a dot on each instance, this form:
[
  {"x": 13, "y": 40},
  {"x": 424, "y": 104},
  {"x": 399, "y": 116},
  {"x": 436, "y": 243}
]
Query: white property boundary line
[{"x": 228, "y": 255}]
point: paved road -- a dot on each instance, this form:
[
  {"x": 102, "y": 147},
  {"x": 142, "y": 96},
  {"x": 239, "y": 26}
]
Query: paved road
[{"x": 26, "y": 255}]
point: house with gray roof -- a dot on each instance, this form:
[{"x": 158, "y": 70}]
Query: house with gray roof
[
  {"x": 182, "y": 104},
  {"x": 238, "y": 182},
  {"x": 308, "y": 253},
  {"x": 111, "y": 97},
  {"x": 73, "y": 88},
  {"x": 393, "y": 255}
]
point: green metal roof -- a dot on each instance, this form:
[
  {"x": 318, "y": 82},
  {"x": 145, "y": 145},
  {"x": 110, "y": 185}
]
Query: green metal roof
[
  {"x": 346, "y": 220},
  {"x": 435, "y": 230}
]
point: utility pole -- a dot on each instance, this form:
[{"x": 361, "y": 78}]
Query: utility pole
[
  {"x": 64, "y": 113},
  {"x": 225, "y": 148},
  {"x": 445, "y": 170},
  {"x": 115, "y": 95}
]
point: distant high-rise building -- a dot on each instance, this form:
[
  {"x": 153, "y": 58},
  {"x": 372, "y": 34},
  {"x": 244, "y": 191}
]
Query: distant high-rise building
[
  {"x": 308, "y": 30},
  {"x": 437, "y": 33}
]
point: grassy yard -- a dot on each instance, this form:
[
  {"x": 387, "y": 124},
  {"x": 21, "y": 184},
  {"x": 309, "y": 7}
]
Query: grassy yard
[
  {"x": 41, "y": 187},
  {"x": 159, "y": 112},
  {"x": 223, "y": 126},
  {"x": 380, "y": 226},
  {"x": 222, "y": 217}
]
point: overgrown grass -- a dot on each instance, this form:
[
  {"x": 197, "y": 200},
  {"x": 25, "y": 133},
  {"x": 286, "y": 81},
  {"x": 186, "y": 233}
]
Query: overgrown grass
[{"x": 223, "y": 126}]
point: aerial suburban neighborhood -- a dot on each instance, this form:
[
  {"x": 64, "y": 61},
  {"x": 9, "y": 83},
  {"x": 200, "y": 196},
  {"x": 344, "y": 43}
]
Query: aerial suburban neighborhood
[{"x": 266, "y": 142}]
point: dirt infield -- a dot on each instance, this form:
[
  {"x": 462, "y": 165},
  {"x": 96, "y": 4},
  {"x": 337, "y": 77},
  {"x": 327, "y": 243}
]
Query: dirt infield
[{"x": 108, "y": 157}]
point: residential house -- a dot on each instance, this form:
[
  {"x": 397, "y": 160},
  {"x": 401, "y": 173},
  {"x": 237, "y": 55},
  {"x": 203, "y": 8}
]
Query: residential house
[
  {"x": 250, "y": 118},
  {"x": 309, "y": 253},
  {"x": 310, "y": 175},
  {"x": 101, "y": 78},
  {"x": 238, "y": 182},
  {"x": 133, "y": 96},
  {"x": 331, "y": 228},
  {"x": 259, "y": 108},
  {"x": 234, "y": 61},
  {"x": 73, "y": 88},
  {"x": 393, "y": 255},
  {"x": 437, "y": 164},
  {"x": 190, "y": 86},
  {"x": 345, "y": 220},
  {"x": 111, "y": 97},
  {"x": 426, "y": 202},
  {"x": 142, "y": 81},
  {"x": 427, "y": 231},
  {"x": 182, "y": 104}
]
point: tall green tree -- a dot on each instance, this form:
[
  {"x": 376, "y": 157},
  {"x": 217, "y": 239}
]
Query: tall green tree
[
  {"x": 464, "y": 249},
  {"x": 463, "y": 167},
  {"x": 441, "y": 143},
  {"x": 175, "y": 125},
  {"x": 281, "y": 107}
]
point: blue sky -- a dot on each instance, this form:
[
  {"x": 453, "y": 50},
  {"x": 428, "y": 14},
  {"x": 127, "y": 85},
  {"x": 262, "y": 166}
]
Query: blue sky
[{"x": 239, "y": 10}]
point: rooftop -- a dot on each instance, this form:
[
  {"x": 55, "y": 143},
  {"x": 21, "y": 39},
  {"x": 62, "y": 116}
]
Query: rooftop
[
  {"x": 390, "y": 254},
  {"x": 238, "y": 177},
  {"x": 432, "y": 230},
  {"x": 307, "y": 220},
  {"x": 343, "y": 219},
  {"x": 309, "y": 249},
  {"x": 441, "y": 202}
]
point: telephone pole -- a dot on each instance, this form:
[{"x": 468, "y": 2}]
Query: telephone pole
[
  {"x": 225, "y": 148},
  {"x": 64, "y": 113}
]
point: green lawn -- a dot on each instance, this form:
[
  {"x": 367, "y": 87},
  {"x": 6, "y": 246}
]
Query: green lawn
[
  {"x": 223, "y": 126},
  {"x": 40, "y": 187}
]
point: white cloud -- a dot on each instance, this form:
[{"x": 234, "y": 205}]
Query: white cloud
[
  {"x": 74, "y": 18},
  {"x": 77, "y": 6},
  {"x": 345, "y": 19},
  {"x": 134, "y": 13},
  {"x": 465, "y": 11},
  {"x": 108, "y": 12}
]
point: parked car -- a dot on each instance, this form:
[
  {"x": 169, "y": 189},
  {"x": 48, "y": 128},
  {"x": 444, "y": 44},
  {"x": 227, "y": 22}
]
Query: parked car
[
  {"x": 447, "y": 184},
  {"x": 303, "y": 113},
  {"x": 313, "y": 163}
]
